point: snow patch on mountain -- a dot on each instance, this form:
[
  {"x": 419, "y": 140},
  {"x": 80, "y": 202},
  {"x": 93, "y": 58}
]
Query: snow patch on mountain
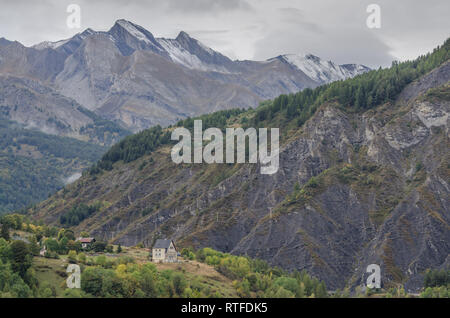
[
  {"x": 54, "y": 45},
  {"x": 322, "y": 71},
  {"x": 186, "y": 38},
  {"x": 49, "y": 45},
  {"x": 181, "y": 56},
  {"x": 133, "y": 30}
]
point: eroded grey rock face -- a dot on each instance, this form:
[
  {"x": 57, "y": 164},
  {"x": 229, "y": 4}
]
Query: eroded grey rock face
[{"x": 383, "y": 197}]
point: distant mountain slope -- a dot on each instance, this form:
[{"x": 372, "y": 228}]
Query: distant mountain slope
[
  {"x": 36, "y": 155},
  {"x": 39, "y": 107},
  {"x": 129, "y": 76},
  {"x": 34, "y": 165},
  {"x": 363, "y": 179}
]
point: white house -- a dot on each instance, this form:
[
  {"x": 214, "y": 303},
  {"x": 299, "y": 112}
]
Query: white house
[{"x": 164, "y": 251}]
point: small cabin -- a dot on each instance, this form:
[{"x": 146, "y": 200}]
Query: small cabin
[
  {"x": 86, "y": 242},
  {"x": 164, "y": 251}
]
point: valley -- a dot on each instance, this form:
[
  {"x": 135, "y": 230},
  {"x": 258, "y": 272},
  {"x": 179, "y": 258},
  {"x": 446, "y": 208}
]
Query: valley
[
  {"x": 98, "y": 169},
  {"x": 362, "y": 180}
]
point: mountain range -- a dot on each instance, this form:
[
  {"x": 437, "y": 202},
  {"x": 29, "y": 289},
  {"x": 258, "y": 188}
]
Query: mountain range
[
  {"x": 98, "y": 87},
  {"x": 363, "y": 176},
  {"x": 128, "y": 76},
  {"x": 39, "y": 107},
  {"x": 364, "y": 162}
]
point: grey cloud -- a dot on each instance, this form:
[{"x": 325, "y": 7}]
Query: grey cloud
[
  {"x": 209, "y": 32},
  {"x": 247, "y": 29},
  {"x": 297, "y": 18},
  {"x": 205, "y": 6},
  {"x": 341, "y": 47}
]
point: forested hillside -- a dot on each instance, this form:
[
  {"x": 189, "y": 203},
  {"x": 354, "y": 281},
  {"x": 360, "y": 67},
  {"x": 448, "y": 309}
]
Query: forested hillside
[{"x": 34, "y": 165}]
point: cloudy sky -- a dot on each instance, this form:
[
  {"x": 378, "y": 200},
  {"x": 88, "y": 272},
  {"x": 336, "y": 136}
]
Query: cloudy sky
[{"x": 251, "y": 29}]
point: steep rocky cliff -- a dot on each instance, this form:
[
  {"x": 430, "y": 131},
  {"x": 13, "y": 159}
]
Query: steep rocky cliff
[{"x": 353, "y": 188}]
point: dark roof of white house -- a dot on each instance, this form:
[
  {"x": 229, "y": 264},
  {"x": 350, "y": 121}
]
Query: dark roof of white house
[{"x": 161, "y": 243}]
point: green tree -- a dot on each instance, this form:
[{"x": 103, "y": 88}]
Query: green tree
[
  {"x": 82, "y": 258},
  {"x": 63, "y": 245},
  {"x": 74, "y": 293},
  {"x": 288, "y": 283},
  {"x": 147, "y": 280},
  {"x": 21, "y": 258},
  {"x": 74, "y": 245},
  {"x": 34, "y": 245},
  {"x": 179, "y": 283},
  {"x": 19, "y": 288},
  {"x": 52, "y": 245},
  {"x": 72, "y": 257},
  {"x": 92, "y": 281},
  {"x": 281, "y": 292},
  {"x": 5, "y": 231},
  {"x": 321, "y": 291},
  {"x": 99, "y": 246}
]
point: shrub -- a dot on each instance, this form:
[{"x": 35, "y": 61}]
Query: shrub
[{"x": 72, "y": 257}]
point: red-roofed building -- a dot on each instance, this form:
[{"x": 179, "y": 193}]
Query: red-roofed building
[{"x": 86, "y": 241}]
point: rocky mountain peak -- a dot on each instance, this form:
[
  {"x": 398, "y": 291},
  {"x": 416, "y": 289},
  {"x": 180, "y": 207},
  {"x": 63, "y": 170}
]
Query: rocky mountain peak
[
  {"x": 4, "y": 41},
  {"x": 131, "y": 37},
  {"x": 192, "y": 44},
  {"x": 156, "y": 95},
  {"x": 201, "y": 51},
  {"x": 67, "y": 46},
  {"x": 183, "y": 36},
  {"x": 320, "y": 70},
  {"x": 88, "y": 32}
]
